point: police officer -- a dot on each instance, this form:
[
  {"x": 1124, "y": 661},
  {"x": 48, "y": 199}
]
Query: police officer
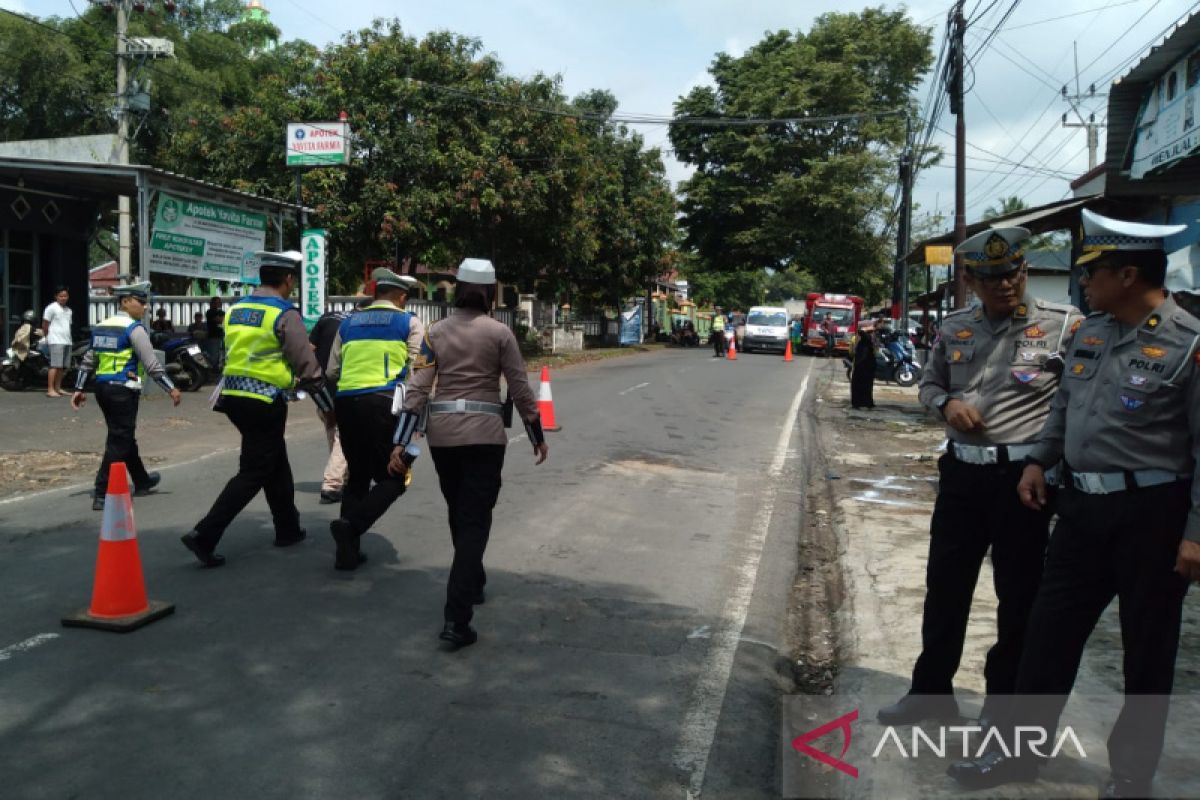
[
  {"x": 991, "y": 376},
  {"x": 121, "y": 352},
  {"x": 370, "y": 360},
  {"x": 467, "y": 353},
  {"x": 267, "y": 354},
  {"x": 718, "y": 333},
  {"x": 1126, "y": 423}
]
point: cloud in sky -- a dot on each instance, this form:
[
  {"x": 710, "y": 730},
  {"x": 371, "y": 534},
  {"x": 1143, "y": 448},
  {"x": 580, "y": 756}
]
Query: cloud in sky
[{"x": 650, "y": 53}]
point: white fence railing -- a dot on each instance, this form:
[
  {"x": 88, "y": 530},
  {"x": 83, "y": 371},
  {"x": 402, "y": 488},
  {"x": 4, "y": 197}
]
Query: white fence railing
[{"x": 182, "y": 310}]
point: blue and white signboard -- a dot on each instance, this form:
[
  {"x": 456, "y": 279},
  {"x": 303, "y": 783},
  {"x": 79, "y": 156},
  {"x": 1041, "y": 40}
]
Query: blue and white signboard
[{"x": 631, "y": 326}]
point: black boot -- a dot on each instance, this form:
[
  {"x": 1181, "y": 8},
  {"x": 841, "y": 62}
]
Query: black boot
[
  {"x": 459, "y": 634},
  {"x": 206, "y": 557},
  {"x": 992, "y": 769},
  {"x": 347, "y": 557}
]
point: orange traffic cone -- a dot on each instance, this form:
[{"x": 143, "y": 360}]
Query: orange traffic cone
[
  {"x": 546, "y": 403},
  {"x": 732, "y": 354},
  {"x": 119, "y": 600},
  {"x": 787, "y": 353}
]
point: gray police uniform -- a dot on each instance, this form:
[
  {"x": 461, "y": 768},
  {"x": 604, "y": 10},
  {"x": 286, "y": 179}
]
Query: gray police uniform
[
  {"x": 1127, "y": 424},
  {"x": 1007, "y": 370}
]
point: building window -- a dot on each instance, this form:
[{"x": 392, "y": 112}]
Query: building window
[
  {"x": 1172, "y": 85},
  {"x": 1193, "y": 69}
]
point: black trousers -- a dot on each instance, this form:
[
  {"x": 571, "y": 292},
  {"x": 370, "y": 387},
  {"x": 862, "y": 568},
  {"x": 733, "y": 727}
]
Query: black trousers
[
  {"x": 1104, "y": 546},
  {"x": 977, "y": 507},
  {"x": 119, "y": 405},
  {"x": 718, "y": 339},
  {"x": 862, "y": 384},
  {"x": 470, "y": 482},
  {"x": 262, "y": 466},
  {"x": 365, "y": 425}
]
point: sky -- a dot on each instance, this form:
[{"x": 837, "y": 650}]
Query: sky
[{"x": 650, "y": 52}]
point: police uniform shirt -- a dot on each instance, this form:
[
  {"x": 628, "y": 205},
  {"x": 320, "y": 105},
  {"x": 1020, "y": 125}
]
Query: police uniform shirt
[
  {"x": 467, "y": 353},
  {"x": 139, "y": 340},
  {"x": 1130, "y": 401},
  {"x": 999, "y": 367}
]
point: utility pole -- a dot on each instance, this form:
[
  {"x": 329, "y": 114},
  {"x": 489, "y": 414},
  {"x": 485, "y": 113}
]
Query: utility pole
[
  {"x": 1093, "y": 127},
  {"x": 960, "y": 149},
  {"x": 124, "y": 236},
  {"x": 904, "y": 226}
]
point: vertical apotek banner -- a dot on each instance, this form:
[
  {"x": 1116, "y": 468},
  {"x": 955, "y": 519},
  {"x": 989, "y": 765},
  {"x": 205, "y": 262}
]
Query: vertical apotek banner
[{"x": 312, "y": 277}]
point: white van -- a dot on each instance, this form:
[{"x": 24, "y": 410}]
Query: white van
[{"x": 766, "y": 329}]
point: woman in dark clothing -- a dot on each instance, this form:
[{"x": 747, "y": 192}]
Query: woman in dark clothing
[{"x": 862, "y": 379}]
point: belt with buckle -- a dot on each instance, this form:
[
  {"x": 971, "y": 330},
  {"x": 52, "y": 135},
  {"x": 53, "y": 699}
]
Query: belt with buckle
[
  {"x": 465, "y": 407},
  {"x": 1112, "y": 482},
  {"x": 995, "y": 454}
]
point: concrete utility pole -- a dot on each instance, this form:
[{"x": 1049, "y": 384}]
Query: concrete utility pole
[
  {"x": 1093, "y": 127},
  {"x": 960, "y": 149},
  {"x": 124, "y": 238},
  {"x": 904, "y": 225}
]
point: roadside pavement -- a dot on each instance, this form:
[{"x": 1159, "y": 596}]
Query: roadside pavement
[{"x": 867, "y": 543}]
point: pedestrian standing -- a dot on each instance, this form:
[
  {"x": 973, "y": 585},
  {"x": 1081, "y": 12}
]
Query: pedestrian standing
[
  {"x": 718, "y": 333},
  {"x": 267, "y": 355},
  {"x": 467, "y": 353},
  {"x": 333, "y": 478},
  {"x": 162, "y": 323},
  {"x": 991, "y": 377},
  {"x": 1126, "y": 423},
  {"x": 829, "y": 331},
  {"x": 862, "y": 375},
  {"x": 198, "y": 330},
  {"x": 214, "y": 340},
  {"x": 56, "y": 327},
  {"x": 120, "y": 355},
  {"x": 370, "y": 360}
]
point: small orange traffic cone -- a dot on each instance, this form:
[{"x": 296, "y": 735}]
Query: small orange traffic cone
[
  {"x": 787, "y": 353},
  {"x": 119, "y": 600},
  {"x": 546, "y": 403},
  {"x": 732, "y": 354}
]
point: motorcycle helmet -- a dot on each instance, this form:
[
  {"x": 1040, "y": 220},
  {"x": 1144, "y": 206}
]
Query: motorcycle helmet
[{"x": 29, "y": 316}]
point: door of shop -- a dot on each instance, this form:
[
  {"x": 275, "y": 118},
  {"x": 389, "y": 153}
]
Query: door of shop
[{"x": 18, "y": 280}]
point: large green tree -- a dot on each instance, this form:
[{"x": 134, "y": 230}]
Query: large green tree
[{"x": 799, "y": 195}]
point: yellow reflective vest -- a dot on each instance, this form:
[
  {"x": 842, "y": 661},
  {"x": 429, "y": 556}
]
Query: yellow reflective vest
[
  {"x": 374, "y": 350},
  {"x": 254, "y": 362}
]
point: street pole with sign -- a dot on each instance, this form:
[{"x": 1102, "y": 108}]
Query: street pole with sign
[{"x": 312, "y": 283}]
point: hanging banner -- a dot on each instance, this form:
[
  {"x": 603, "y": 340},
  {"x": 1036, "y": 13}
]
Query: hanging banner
[
  {"x": 312, "y": 282},
  {"x": 631, "y": 326},
  {"x": 199, "y": 239}
]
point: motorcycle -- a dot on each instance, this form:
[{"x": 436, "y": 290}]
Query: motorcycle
[
  {"x": 185, "y": 363},
  {"x": 17, "y": 373}
]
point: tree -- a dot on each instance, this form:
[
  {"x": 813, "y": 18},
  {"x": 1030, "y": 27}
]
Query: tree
[
  {"x": 800, "y": 195},
  {"x": 1011, "y": 205},
  {"x": 1006, "y": 206}
]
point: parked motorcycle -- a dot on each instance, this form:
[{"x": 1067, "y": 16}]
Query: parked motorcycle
[
  {"x": 185, "y": 363},
  {"x": 18, "y": 372},
  {"x": 893, "y": 362}
]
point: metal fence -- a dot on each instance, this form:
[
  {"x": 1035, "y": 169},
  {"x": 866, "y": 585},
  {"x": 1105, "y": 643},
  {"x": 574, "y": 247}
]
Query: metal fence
[{"x": 182, "y": 310}]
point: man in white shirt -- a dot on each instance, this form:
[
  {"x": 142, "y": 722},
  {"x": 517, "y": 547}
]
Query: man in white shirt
[{"x": 56, "y": 325}]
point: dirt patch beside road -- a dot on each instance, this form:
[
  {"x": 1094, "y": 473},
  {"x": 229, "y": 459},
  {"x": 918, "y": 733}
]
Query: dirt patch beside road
[{"x": 43, "y": 469}]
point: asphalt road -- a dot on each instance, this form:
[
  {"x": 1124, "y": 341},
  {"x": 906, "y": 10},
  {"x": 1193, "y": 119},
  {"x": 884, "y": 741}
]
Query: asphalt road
[{"x": 629, "y": 647}]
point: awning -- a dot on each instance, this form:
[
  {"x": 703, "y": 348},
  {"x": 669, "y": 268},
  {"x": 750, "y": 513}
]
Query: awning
[{"x": 1050, "y": 217}]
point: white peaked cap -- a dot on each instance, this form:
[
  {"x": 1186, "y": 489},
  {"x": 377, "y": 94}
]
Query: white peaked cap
[{"x": 476, "y": 270}]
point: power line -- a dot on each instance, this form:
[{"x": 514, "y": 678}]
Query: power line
[{"x": 1012, "y": 28}]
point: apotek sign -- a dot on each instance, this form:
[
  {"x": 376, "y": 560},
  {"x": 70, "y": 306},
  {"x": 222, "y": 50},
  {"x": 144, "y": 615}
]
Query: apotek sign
[
  {"x": 318, "y": 144},
  {"x": 199, "y": 239},
  {"x": 312, "y": 279}
]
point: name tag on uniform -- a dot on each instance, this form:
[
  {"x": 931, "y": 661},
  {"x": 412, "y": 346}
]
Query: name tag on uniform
[
  {"x": 371, "y": 318},
  {"x": 246, "y": 316},
  {"x": 106, "y": 342}
]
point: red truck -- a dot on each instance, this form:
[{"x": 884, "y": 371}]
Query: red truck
[{"x": 844, "y": 309}]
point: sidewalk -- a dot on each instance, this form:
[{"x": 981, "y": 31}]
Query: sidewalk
[{"x": 872, "y": 500}]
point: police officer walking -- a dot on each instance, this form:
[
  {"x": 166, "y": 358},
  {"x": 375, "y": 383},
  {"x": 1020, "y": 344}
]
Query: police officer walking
[
  {"x": 370, "y": 361},
  {"x": 467, "y": 353},
  {"x": 267, "y": 354},
  {"x": 718, "y": 333},
  {"x": 1126, "y": 423},
  {"x": 991, "y": 376},
  {"x": 120, "y": 354}
]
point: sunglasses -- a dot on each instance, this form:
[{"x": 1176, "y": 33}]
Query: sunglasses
[
  {"x": 994, "y": 281},
  {"x": 1088, "y": 271}
]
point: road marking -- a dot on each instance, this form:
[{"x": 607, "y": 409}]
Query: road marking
[
  {"x": 30, "y": 643},
  {"x": 631, "y": 388},
  {"x": 516, "y": 438},
  {"x": 704, "y": 708}
]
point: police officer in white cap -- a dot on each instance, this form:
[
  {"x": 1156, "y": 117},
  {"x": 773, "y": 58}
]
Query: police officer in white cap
[
  {"x": 1126, "y": 424},
  {"x": 467, "y": 353},
  {"x": 991, "y": 376},
  {"x": 120, "y": 354},
  {"x": 267, "y": 355},
  {"x": 370, "y": 361}
]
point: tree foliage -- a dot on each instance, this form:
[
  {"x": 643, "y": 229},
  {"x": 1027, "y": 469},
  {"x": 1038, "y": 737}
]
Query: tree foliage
[
  {"x": 800, "y": 196},
  {"x": 576, "y": 205}
]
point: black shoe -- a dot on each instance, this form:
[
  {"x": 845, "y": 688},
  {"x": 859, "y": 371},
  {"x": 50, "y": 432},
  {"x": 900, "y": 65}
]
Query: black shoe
[
  {"x": 207, "y": 557},
  {"x": 347, "y": 556},
  {"x": 914, "y": 708},
  {"x": 152, "y": 480},
  {"x": 459, "y": 634},
  {"x": 98, "y": 503},
  {"x": 1125, "y": 787},
  {"x": 329, "y": 498},
  {"x": 288, "y": 541},
  {"x": 992, "y": 769}
]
